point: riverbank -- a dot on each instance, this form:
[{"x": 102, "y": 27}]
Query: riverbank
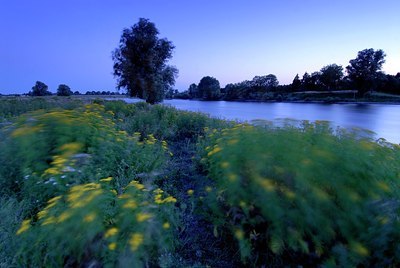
[{"x": 143, "y": 185}]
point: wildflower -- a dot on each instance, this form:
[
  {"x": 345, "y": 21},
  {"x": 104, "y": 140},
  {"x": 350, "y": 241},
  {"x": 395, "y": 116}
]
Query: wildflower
[
  {"x": 135, "y": 241},
  {"x": 112, "y": 246},
  {"x": 208, "y": 189},
  {"x": 136, "y": 184},
  {"x": 166, "y": 225},
  {"x": 232, "y": 177},
  {"x": 224, "y": 164},
  {"x": 130, "y": 204},
  {"x": 239, "y": 234},
  {"x": 90, "y": 217},
  {"x": 114, "y": 191},
  {"x": 111, "y": 232},
  {"x": 108, "y": 179},
  {"x": 140, "y": 217},
  {"x": 49, "y": 220},
  {"x": 190, "y": 192},
  {"x": 24, "y": 226},
  {"x": 64, "y": 216}
]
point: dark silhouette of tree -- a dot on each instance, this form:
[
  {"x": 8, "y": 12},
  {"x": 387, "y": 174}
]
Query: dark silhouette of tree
[
  {"x": 363, "y": 71},
  {"x": 331, "y": 75},
  {"x": 296, "y": 84},
  {"x": 209, "y": 88},
  {"x": 64, "y": 90},
  {"x": 266, "y": 82},
  {"x": 193, "y": 91},
  {"x": 140, "y": 62},
  {"x": 40, "y": 89}
]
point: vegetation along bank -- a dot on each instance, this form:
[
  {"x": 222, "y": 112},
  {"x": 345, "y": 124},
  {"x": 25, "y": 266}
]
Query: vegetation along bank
[{"x": 109, "y": 184}]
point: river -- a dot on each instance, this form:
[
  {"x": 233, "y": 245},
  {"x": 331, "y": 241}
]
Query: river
[{"x": 382, "y": 119}]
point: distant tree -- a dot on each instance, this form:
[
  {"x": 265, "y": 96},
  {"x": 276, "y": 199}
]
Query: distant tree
[
  {"x": 40, "y": 89},
  {"x": 209, "y": 88},
  {"x": 140, "y": 62},
  {"x": 331, "y": 75},
  {"x": 266, "y": 81},
  {"x": 77, "y": 93},
  {"x": 364, "y": 70},
  {"x": 64, "y": 90},
  {"x": 296, "y": 84},
  {"x": 193, "y": 91},
  {"x": 311, "y": 82}
]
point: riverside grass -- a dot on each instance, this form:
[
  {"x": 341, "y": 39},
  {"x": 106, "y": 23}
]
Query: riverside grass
[{"x": 153, "y": 186}]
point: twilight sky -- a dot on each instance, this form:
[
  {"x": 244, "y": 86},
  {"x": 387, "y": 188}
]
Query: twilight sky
[{"x": 70, "y": 42}]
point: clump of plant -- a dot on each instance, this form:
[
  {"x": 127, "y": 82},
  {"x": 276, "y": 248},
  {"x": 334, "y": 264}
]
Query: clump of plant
[
  {"x": 165, "y": 123},
  {"x": 92, "y": 224},
  {"x": 45, "y": 153},
  {"x": 305, "y": 196}
]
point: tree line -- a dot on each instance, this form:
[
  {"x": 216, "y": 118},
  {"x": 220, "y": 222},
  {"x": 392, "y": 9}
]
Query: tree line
[
  {"x": 140, "y": 67},
  {"x": 363, "y": 75}
]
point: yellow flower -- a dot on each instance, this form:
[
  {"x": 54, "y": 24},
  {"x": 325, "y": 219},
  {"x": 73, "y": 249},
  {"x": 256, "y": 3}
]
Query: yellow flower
[
  {"x": 49, "y": 220},
  {"x": 108, "y": 179},
  {"x": 169, "y": 199},
  {"x": 41, "y": 214},
  {"x": 166, "y": 225},
  {"x": 190, "y": 192},
  {"x": 112, "y": 246},
  {"x": 239, "y": 234},
  {"x": 225, "y": 164},
  {"x": 24, "y": 226},
  {"x": 135, "y": 241},
  {"x": 208, "y": 189},
  {"x": 136, "y": 184},
  {"x": 111, "y": 232},
  {"x": 130, "y": 204},
  {"x": 65, "y": 215},
  {"x": 140, "y": 217},
  {"x": 90, "y": 217}
]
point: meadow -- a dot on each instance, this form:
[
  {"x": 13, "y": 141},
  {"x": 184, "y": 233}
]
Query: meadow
[{"x": 94, "y": 183}]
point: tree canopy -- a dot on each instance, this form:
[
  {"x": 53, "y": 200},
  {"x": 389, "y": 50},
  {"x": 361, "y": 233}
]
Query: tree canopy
[
  {"x": 209, "y": 88},
  {"x": 140, "y": 62},
  {"x": 40, "y": 89},
  {"x": 363, "y": 71},
  {"x": 64, "y": 90}
]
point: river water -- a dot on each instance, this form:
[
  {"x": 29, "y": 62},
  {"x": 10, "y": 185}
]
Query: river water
[{"x": 383, "y": 119}]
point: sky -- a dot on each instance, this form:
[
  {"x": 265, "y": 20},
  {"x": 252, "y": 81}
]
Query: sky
[{"x": 70, "y": 42}]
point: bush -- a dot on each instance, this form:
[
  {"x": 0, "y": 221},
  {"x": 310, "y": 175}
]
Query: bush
[
  {"x": 91, "y": 225},
  {"x": 305, "y": 196},
  {"x": 45, "y": 153}
]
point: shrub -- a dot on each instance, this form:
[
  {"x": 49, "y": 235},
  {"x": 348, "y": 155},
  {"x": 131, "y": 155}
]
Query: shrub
[
  {"x": 45, "y": 153},
  {"x": 305, "y": 196}
]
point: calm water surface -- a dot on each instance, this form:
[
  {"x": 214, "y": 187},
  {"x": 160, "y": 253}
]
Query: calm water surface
[{"x": 383, "y": 119}]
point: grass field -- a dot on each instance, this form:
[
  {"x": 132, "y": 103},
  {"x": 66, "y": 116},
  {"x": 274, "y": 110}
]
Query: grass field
[{"x": 92, "y": 183}]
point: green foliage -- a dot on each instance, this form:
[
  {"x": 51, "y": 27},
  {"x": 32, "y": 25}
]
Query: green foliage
[
  {"x": 305, "y": 196},
  {"x": 140, "y": 62},
  {"x": 15, "y": 106},
  {"x": 166, "y": 123}
]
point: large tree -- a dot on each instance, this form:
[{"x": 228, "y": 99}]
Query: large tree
[
  {"x": 140, "y": 62},
  {"x": 364, "y": 70},
  {"x": 331, "y": 75},
  {"x": 40, "y": 89},
  {"x": 64, "y": 90},
  {"x": 209, "y": 88}
]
